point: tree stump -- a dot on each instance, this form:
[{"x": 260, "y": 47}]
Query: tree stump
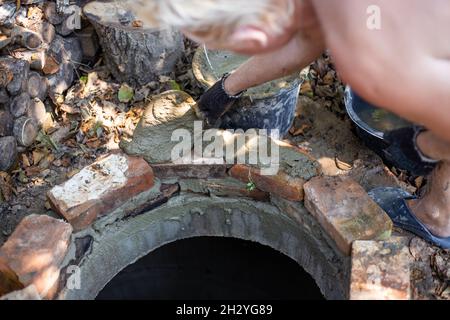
[{"x": 134, "y": 53}]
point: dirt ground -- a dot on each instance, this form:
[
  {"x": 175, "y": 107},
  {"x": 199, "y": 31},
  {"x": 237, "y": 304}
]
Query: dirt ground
[{"x": 96, "y": 113}]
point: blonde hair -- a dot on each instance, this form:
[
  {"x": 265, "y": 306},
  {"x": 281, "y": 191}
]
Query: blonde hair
[{"x": 204, "y": 15}]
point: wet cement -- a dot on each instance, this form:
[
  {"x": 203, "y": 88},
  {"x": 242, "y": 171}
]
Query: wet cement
[{"x": 210, "y": 65}]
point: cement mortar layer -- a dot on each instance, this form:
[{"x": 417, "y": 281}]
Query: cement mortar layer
[{"x": 122, "y": 240}]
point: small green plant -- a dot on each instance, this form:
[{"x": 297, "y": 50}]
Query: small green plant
[
  {"x": 46, "y": 141},
  {"x": 174, "y": 85},
  {"x": 251, "y": 186},
  {"x": 84, "y": 79},
  {"x": 126, "y": 93}
]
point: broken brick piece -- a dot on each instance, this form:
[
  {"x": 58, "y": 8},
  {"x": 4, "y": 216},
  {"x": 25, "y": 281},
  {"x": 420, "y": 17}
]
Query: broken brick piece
[
  {"x": 346, "y": 211},
  {"x": 380, "y": 270},
  {"x": 100, "y": 188},
  {"x": 35, "y": 251},
  {"x": 281, "y": 184},
  {"x": 9, "y": 281}
]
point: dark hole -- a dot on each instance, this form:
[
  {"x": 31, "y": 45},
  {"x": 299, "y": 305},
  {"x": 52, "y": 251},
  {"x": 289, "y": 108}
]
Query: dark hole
[{"x": 212, "y": 268}]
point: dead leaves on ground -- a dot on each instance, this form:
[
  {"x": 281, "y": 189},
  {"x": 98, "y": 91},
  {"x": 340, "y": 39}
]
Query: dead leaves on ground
[{"x": 6, "y": 187}]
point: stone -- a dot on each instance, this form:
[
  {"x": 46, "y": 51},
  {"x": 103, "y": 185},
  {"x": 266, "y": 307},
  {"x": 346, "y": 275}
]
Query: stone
[
  {"x": 228, "y": 187},
  {"x": 380, "y": 270},
  {"x": 188, "y": 171},
  {"x": 166, "y": 113},
  {"x": 8, "y": 153},
  {"x": 9, "y": 281},
  {"x": 281, "y": 184},
  {"x": 346, "y": 211},
  {"x": 100, "y": 188},
  {"x": 35, "y": 251}
]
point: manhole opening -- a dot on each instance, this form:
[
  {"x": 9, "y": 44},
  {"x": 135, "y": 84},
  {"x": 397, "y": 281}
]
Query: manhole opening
[{"x": 212, "y": 268}]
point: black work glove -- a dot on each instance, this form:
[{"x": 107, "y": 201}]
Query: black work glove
[
  {"x": 404, "y": 153},
  {"x": 215, "y": 102}
]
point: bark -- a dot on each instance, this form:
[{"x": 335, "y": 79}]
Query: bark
[
  {"x": 19, "y": 105},
  {"x": 134, "y": 54},
  {"x": 37, "y": 86},
  {"x": 8, "y": 153},
  {"x": 6, "y": 123},
  {"x": 19, "y": 70}
]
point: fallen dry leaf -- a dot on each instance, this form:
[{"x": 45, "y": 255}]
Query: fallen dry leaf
[
  {"x": 25, "y": 160},
  {"x": 6, "y": 186},
  {"x": 37, "y": 157}
]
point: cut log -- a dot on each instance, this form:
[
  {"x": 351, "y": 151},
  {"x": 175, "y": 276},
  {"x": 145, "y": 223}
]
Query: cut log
[
  {"x": 9, "y": 281},
  {"x": 66, "y": 50},
  {"x": 6, "y": 123},
  {"x": 19, "y": 70},
  {"x": 61, "y": 80},
  {"x": 7, "y": 14},
  {"x": 6, "y": 74},
  {"x": 47, "y": 32},
  {"x": 8, "y": 153},
  {"x": 66, "y": 27},
  {"x": 27, "y": 38},
  {"x": 37, "y": 112},
  {"x": 4, "y": 96},
  {"x": 51, "y": 66},
  {"x": 37, "y": 86},
  {"x": 19, "y": 105},
  {"x": 4, "y": 41},
  {"x": 36, "y": 59},
  {"x": 25, "y": 130},
  {"x": 51, "y": 14},
  {"x": 135, "y": 55}
]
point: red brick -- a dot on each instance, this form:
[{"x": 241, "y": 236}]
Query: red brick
[
  {"x": 9, "y": 281},
  {"x": 380, "y": 270},
  {"x": 100, "y": 188},
  {"x": 281, "y": 184},
  {"x": 346, "y": 211},
  {"x": 35, "y": 251}
]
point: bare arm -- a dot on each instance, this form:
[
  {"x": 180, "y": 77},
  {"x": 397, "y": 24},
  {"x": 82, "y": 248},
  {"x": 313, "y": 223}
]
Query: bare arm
[
  {"x": 295, "y": 56},
  {"x": 405, "y": 66}
]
